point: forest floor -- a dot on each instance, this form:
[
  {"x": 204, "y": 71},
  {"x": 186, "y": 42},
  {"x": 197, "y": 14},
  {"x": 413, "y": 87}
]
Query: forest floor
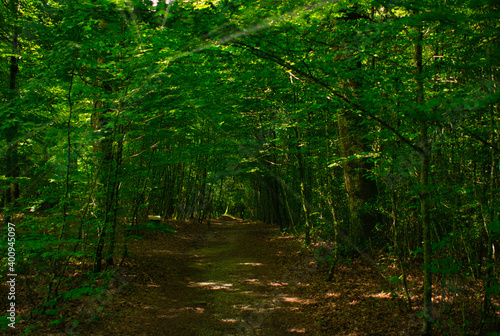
[{"x": 245, "y": 278}]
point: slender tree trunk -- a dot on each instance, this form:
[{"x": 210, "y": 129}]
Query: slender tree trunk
[
  {"x": 105, "y": 177},
  {"x": 202, "y": 197},
  {"x": 275, "y": 213},
  {"x": 331, "y": 203},
  {"x": 12, "y": 170},
  {"x": 489, "y": 216},
  {"x": 424, "y": 183},
  {"x": 426, "y": 233},
  {"x": 115, "y": 190},
  {"x": 302, "y": 176},
  {"x": 289, "y": 211}
]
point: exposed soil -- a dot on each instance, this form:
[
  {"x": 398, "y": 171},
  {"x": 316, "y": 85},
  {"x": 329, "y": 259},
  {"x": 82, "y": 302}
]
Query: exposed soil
[
  {"x": 244, "y": 278},
  {"x": 230, "y": 279}
]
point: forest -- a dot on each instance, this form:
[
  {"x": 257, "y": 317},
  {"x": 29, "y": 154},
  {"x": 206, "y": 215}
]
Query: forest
[{"x": 365, "y": 131}]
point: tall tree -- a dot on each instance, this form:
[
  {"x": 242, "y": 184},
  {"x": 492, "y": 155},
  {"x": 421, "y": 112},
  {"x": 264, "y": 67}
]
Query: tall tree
[{"x": 11, "y": 10}]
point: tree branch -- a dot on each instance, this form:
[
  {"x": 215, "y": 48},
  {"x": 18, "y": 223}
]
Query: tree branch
[{"x": 265, "y": 55}]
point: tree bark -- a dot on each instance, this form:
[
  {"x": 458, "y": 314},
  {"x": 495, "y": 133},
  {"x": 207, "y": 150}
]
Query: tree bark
[
  {"x": 424, "y": 184},
  {"x": 115, "y": 190},
  {"x": 12, "y": 170},
  {"x": 106, "y": 201},
  {"x": 303, "y": 197},
  {"x": 362, "y": 191}
]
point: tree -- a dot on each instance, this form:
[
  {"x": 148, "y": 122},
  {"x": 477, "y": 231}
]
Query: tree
[{"x": 11, "y": 10}]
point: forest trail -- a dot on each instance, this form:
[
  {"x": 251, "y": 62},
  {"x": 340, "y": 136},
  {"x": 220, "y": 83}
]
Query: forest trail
[
  {"x": 245, "y": 278},
  {"x": 232, "y": 279}
]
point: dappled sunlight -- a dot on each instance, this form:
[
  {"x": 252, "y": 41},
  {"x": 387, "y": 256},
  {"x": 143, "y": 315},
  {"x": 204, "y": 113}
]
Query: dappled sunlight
[
  {"x": 253, "y": 281},
  {"x": 245, "y": 308},
  {"x": 254, "y": 310},
  {"x": 250, "y": 264},
  {"x": 332, "y": 295},
  {"x": 285, "y": 237},
  {"x": 230, "y": 320},
  {"x": 277, "y": 284},
  {"x": 332, "y": 305},
  {"x": 294, "y": 299},
  {"x": 211, "y": 285},
  {"x": 297, "y": 330},
  {"x": 383, "y": 295},
  {"x": 197, "y": 310},
  {"x": 302, "y": 284}
]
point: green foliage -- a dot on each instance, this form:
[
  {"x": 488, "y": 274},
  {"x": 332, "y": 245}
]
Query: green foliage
[{"x": 192, "y": 110}]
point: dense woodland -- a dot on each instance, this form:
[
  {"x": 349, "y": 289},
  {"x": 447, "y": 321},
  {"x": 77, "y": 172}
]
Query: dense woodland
[{"x": 365, "y": 127}]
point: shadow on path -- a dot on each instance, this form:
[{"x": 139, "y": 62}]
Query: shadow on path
[{"x": 231, "y": 279}]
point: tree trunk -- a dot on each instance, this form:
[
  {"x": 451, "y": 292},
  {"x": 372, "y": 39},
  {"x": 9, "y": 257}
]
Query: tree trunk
[
  {"x": 424, "y": 183},
  {"x": 361, "y": 190},
  {"x": 115, "y": 190},
  {"x": 105, "y": 181},
  {"x": 302, "y": 176},
  {"x": 12, "y": 170}
]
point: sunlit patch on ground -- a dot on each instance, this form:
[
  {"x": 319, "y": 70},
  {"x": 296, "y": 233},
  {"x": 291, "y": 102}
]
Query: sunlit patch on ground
[
  {"x": 332, "y": 295},
  {"x": 244, "y": 308},
  {"x": 293, "y": 299},
  {"x": 230, "y": 320},
  {"x": 277, "y": 284},
  {"x": 302, "y": 284},
  {"x": 297, "y": 330},
  {"x": 212, "y": 285},
  {"x": 253, "y": 281},
  {"x": 285, "y": 237},
  {"x": 250, "y": 264},
  {"x": 197, "y": 310},
  {"x": 382, "y": 295}
]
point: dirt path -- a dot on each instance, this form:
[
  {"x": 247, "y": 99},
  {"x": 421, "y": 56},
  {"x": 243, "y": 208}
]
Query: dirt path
[
  {"x": 243, "y": 278},
  {"x": 232, "y": 279}
]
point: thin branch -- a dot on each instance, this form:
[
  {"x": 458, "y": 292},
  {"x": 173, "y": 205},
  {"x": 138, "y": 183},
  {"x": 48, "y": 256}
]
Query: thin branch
[
  {"x": 68, "y": 166},
  {"x": 262, "y": 54},
  {"x": 483, "y": 141}
]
